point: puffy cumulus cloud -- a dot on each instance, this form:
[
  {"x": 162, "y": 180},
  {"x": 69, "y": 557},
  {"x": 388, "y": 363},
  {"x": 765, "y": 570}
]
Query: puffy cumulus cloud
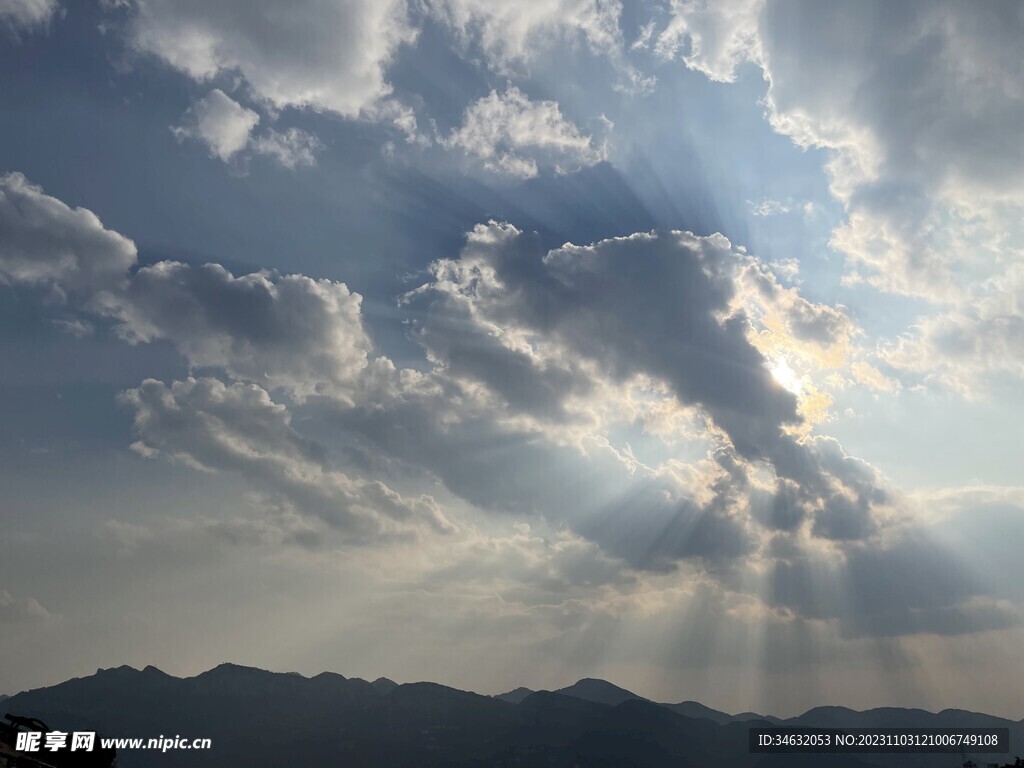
[
  {"x": 210, "y": 425},
  {"x": 544, "y": 334},
  {"x": 288, "y": 331},
  {"x": 959, "y": 351},
  {"x": 325, "y": 56},
  {"x": 511, "y": 135},
  {"x": 220, "y": 122},
  {"x": 713, "y": 38},
  {"x": 226, "y": 127},
  {"x": 647, "y": 303},
  {"x": 531, "y": 353},
  {"x": 24, "y": 15},
  {"x": 45, "y": 242},
  {"x": 511, "y": 34},
  {"x": 787, "y": 324}
]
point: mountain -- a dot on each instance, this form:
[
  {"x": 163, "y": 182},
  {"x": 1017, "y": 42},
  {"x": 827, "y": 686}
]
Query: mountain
[
  {"x": 515, "y": 696},
  {"x": 384, "y": 685},
  {"x": 603, "y": 692},
  {"x": 262, "y": 719},
  {"x": 598, "y": 691},
  {"x": 695, "y": 709}
]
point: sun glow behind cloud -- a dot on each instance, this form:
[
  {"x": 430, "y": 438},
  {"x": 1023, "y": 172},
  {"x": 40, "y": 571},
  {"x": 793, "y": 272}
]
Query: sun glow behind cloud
[{"x": 786, "y": 376}]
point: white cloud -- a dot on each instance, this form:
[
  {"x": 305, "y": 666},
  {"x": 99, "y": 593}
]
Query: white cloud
[
  {"x": 226, "y": 127},
  {"x": 959, "y": 351},
  {"x": 326, "y": 56},
  {"x": 713, "y": 38},
  {"x": 513, "y": 33},
  {"x": 292, "y": 148},
  {"x": 220, "y": 122},
  {"x": 513, "y": 135},
  {"x": 26, "y": 14}
]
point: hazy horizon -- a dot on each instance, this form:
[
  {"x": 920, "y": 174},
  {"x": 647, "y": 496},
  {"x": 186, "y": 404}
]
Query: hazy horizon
[{"x": 676, "y": 344}]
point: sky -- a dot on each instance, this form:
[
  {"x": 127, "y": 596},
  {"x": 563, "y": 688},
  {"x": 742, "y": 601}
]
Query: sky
[{"x": 675, "y": 343}]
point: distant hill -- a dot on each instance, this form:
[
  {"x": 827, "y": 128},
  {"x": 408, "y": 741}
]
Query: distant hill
[
  {"x": 603, "y": 692},
  {"x": 695, "y": 709},
  {"x": 384, "y": 685},
  {"x": 514, "y": 696},
  {"x": 598, "y": 691},
  {"x": 265, "y": 719}
]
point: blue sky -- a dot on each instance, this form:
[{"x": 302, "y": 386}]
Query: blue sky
[{"x": 676, "y": 343}]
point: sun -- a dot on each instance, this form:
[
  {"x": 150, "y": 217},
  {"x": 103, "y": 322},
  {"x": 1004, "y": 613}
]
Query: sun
[{"x": 786, "y": 376}]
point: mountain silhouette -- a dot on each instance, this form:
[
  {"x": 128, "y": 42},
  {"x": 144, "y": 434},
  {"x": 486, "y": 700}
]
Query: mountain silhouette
[
  {"x": 598, "y": 691},
  {"x": 515, "y": 696},
  {"x": 259, "y": 718},
  {"x": 384, "y": 685}
]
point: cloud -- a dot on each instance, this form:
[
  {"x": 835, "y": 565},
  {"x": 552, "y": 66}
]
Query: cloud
[
  {"x": 210, "y": 425},
  {"x": 769, "y": 207},
  {"x": 536, "y": 348},
  {"x": 226, "y": 127},
  {"x": 292, "y": 148},
  {"x": 913, "y": 584},
  {"x": 511, "y": 135},
  {"x": 220, "y": 122},
  {"x": 45, "y": 242},
  {"x": 959, "y": 351},
  {"x": 288, "y": 331},
  {"x": 917, "y": 106},
  {"x": 907, "y": 175},
  {"x": 555, "y": 335},
  {"x": 325, "y": 56},
  {"x": 712, "y": 38},
  {"x": 26, "y": 610},
  {"x": 537, "y": 360},
  {"x": 511, "y": 34},
  {"x": 646, "y": 303},
  {"x": 26, "y": 15}
]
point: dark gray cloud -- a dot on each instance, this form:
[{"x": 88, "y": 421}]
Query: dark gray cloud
[
  {"x": 287, "y": 331},
  {"x": 523, "y": 322}
]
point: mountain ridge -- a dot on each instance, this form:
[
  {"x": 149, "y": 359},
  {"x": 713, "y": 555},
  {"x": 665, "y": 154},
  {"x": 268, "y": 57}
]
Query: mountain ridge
[{"x": 262, "y": 718}]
